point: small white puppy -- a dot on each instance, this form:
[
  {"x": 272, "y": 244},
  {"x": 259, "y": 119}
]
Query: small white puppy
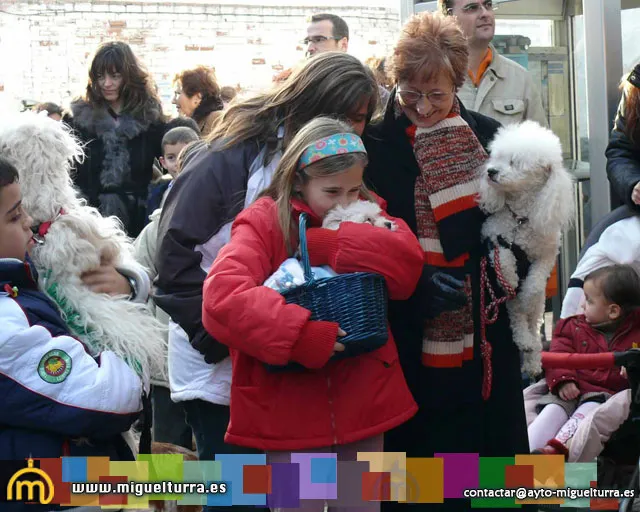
[
  {"x": 361, "y": 212},
  {"x": 529, "y": 197},
  {"x": 290, "y": 274}
]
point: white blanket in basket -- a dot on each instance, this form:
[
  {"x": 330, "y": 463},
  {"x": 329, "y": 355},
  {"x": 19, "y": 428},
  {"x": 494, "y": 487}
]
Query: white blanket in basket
[{"x": 291, "y": 274}]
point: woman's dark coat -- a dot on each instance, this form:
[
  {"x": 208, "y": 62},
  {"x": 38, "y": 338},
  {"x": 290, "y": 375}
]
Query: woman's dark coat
[
  {"x": 120, "y": 150},
  {"x": 453, "y": 416},
  {"x": 623, "y": 159}
]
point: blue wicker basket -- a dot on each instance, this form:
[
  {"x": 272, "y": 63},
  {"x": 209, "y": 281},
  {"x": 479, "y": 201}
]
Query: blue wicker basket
[{"x": 357, "y": 302}]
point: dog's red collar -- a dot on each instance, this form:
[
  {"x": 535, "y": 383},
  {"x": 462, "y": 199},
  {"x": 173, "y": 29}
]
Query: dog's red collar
[{"x": 42, "y": 229}]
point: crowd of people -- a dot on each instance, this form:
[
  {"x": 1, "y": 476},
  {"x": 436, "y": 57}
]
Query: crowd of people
[{"x": 213, "y": 200}]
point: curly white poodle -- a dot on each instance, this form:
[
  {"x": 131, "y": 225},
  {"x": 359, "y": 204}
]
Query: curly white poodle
[{"x": 529, "y": 197}]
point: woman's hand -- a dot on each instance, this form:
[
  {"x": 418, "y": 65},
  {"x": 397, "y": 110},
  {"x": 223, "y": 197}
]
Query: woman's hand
[
  {"x": 339, "y": 347},
  {"x": 623, "y": 372},
  {"x": 443, "y": 293},
  {"x": 635, "y": 193},
  {"x": 569, "y": 391},
  {"x": 106, "y": 279}
]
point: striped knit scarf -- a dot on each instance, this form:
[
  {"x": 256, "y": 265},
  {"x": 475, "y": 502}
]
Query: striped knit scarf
[{"x": 448, "y": 156}]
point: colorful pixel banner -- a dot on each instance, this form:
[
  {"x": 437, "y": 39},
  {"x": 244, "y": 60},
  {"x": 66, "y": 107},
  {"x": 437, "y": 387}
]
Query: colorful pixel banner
[{"x": 507, "y": 482}]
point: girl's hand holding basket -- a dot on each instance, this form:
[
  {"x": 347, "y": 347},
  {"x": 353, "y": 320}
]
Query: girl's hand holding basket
[{"x": 339, "y": 347}]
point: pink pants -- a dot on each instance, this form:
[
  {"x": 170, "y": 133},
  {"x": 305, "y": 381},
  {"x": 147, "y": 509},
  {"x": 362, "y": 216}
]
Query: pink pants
[{"x": 345, "y": 452}]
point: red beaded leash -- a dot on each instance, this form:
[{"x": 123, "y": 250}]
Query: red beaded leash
[{"x": 489, "y": 315}]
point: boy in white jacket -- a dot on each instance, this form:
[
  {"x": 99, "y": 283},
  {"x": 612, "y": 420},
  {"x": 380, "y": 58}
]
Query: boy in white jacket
[{"x": 58, "y": 399}]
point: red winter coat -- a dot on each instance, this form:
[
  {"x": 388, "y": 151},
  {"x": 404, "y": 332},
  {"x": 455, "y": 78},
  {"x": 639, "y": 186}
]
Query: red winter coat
[
  {"x": 575, "y": 335},
  {"x": 335, "y": 402}
]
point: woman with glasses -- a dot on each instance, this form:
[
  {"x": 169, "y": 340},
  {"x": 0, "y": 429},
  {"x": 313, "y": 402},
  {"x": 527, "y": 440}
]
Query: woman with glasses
[
  {"x": 424, "y": 155},
  {"x": 197, "y": 95}
]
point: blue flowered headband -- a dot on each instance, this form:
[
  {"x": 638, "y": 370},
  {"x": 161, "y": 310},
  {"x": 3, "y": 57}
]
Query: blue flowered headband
[{"x": 337, "y": 144}]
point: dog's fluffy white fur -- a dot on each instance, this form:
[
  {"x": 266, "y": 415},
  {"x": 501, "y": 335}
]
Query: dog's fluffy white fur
[
  {"x": 529, "y": 197},
  {"x": 43, "y": 151},
  {"x": 360, "y": 212}
]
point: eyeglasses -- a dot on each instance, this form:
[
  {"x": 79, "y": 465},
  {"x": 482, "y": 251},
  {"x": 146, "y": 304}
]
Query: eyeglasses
[
  {"x": 318, "y": 39},
  {"x": 474, "y": 7},
  {"x": 433, "y": 97}
]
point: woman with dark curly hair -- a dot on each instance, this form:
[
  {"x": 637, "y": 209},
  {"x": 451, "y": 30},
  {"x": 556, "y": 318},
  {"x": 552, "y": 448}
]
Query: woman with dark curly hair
[
  {"x": 120, "y": 122},
  {"x": 198, "y": 96}
]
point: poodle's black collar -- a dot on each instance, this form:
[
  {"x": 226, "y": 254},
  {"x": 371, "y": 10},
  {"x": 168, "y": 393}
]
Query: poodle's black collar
[{"x": 519, "y": 220}]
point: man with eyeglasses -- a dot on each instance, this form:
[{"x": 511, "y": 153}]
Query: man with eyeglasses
[
  {"x": 496, "y": 86},
  {"x": 330, "y": 33},
  {"x": 326, "y": 33}
]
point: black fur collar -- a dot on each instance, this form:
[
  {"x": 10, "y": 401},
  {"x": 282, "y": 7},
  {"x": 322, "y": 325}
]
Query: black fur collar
[{"x": 98, "y": 120}]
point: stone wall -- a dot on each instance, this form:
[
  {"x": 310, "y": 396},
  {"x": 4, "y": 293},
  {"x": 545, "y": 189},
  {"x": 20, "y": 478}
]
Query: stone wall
[{"x": 46, "y": 46}]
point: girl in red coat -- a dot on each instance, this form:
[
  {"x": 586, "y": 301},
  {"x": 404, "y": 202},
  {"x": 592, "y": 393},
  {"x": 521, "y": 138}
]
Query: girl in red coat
[
  {"x": 611, "y": 322},
  {"x": 341, "y": 406}
]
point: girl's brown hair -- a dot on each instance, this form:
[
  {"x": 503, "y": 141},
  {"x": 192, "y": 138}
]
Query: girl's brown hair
[
  {"x": 138, "y": 90},
  {"x": 287, "y": 178},
  {"x": 331, "y": 83},
  {"x": 429, "y": 45}
]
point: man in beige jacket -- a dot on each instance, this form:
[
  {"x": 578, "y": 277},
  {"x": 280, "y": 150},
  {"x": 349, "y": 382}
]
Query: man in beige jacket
[{"x": 496, "y": 86}]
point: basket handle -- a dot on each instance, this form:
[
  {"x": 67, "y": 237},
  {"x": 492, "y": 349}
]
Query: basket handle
[{"x": 304, "y": 253}]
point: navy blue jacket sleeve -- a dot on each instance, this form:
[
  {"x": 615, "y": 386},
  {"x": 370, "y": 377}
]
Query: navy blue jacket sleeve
[{"x": 51, "y": 383}]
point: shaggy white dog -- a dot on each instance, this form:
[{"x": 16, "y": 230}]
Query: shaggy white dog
[
  {"x": 530, "y": 198},
  {"x": 79, "y": 239},
  {"x": 360, "y": 212}
]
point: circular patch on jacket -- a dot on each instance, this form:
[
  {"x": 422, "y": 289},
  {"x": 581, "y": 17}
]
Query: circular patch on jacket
[{"x": 55, "y": 366}]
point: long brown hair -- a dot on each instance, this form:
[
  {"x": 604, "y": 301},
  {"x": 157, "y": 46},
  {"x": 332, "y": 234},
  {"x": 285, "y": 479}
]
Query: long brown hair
[
  {"x": 287, "y": 177},
  {"x": 330, "y": 83},
  {"x": 138, "y": 90},
  {"x": 631, "y": 111}
]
